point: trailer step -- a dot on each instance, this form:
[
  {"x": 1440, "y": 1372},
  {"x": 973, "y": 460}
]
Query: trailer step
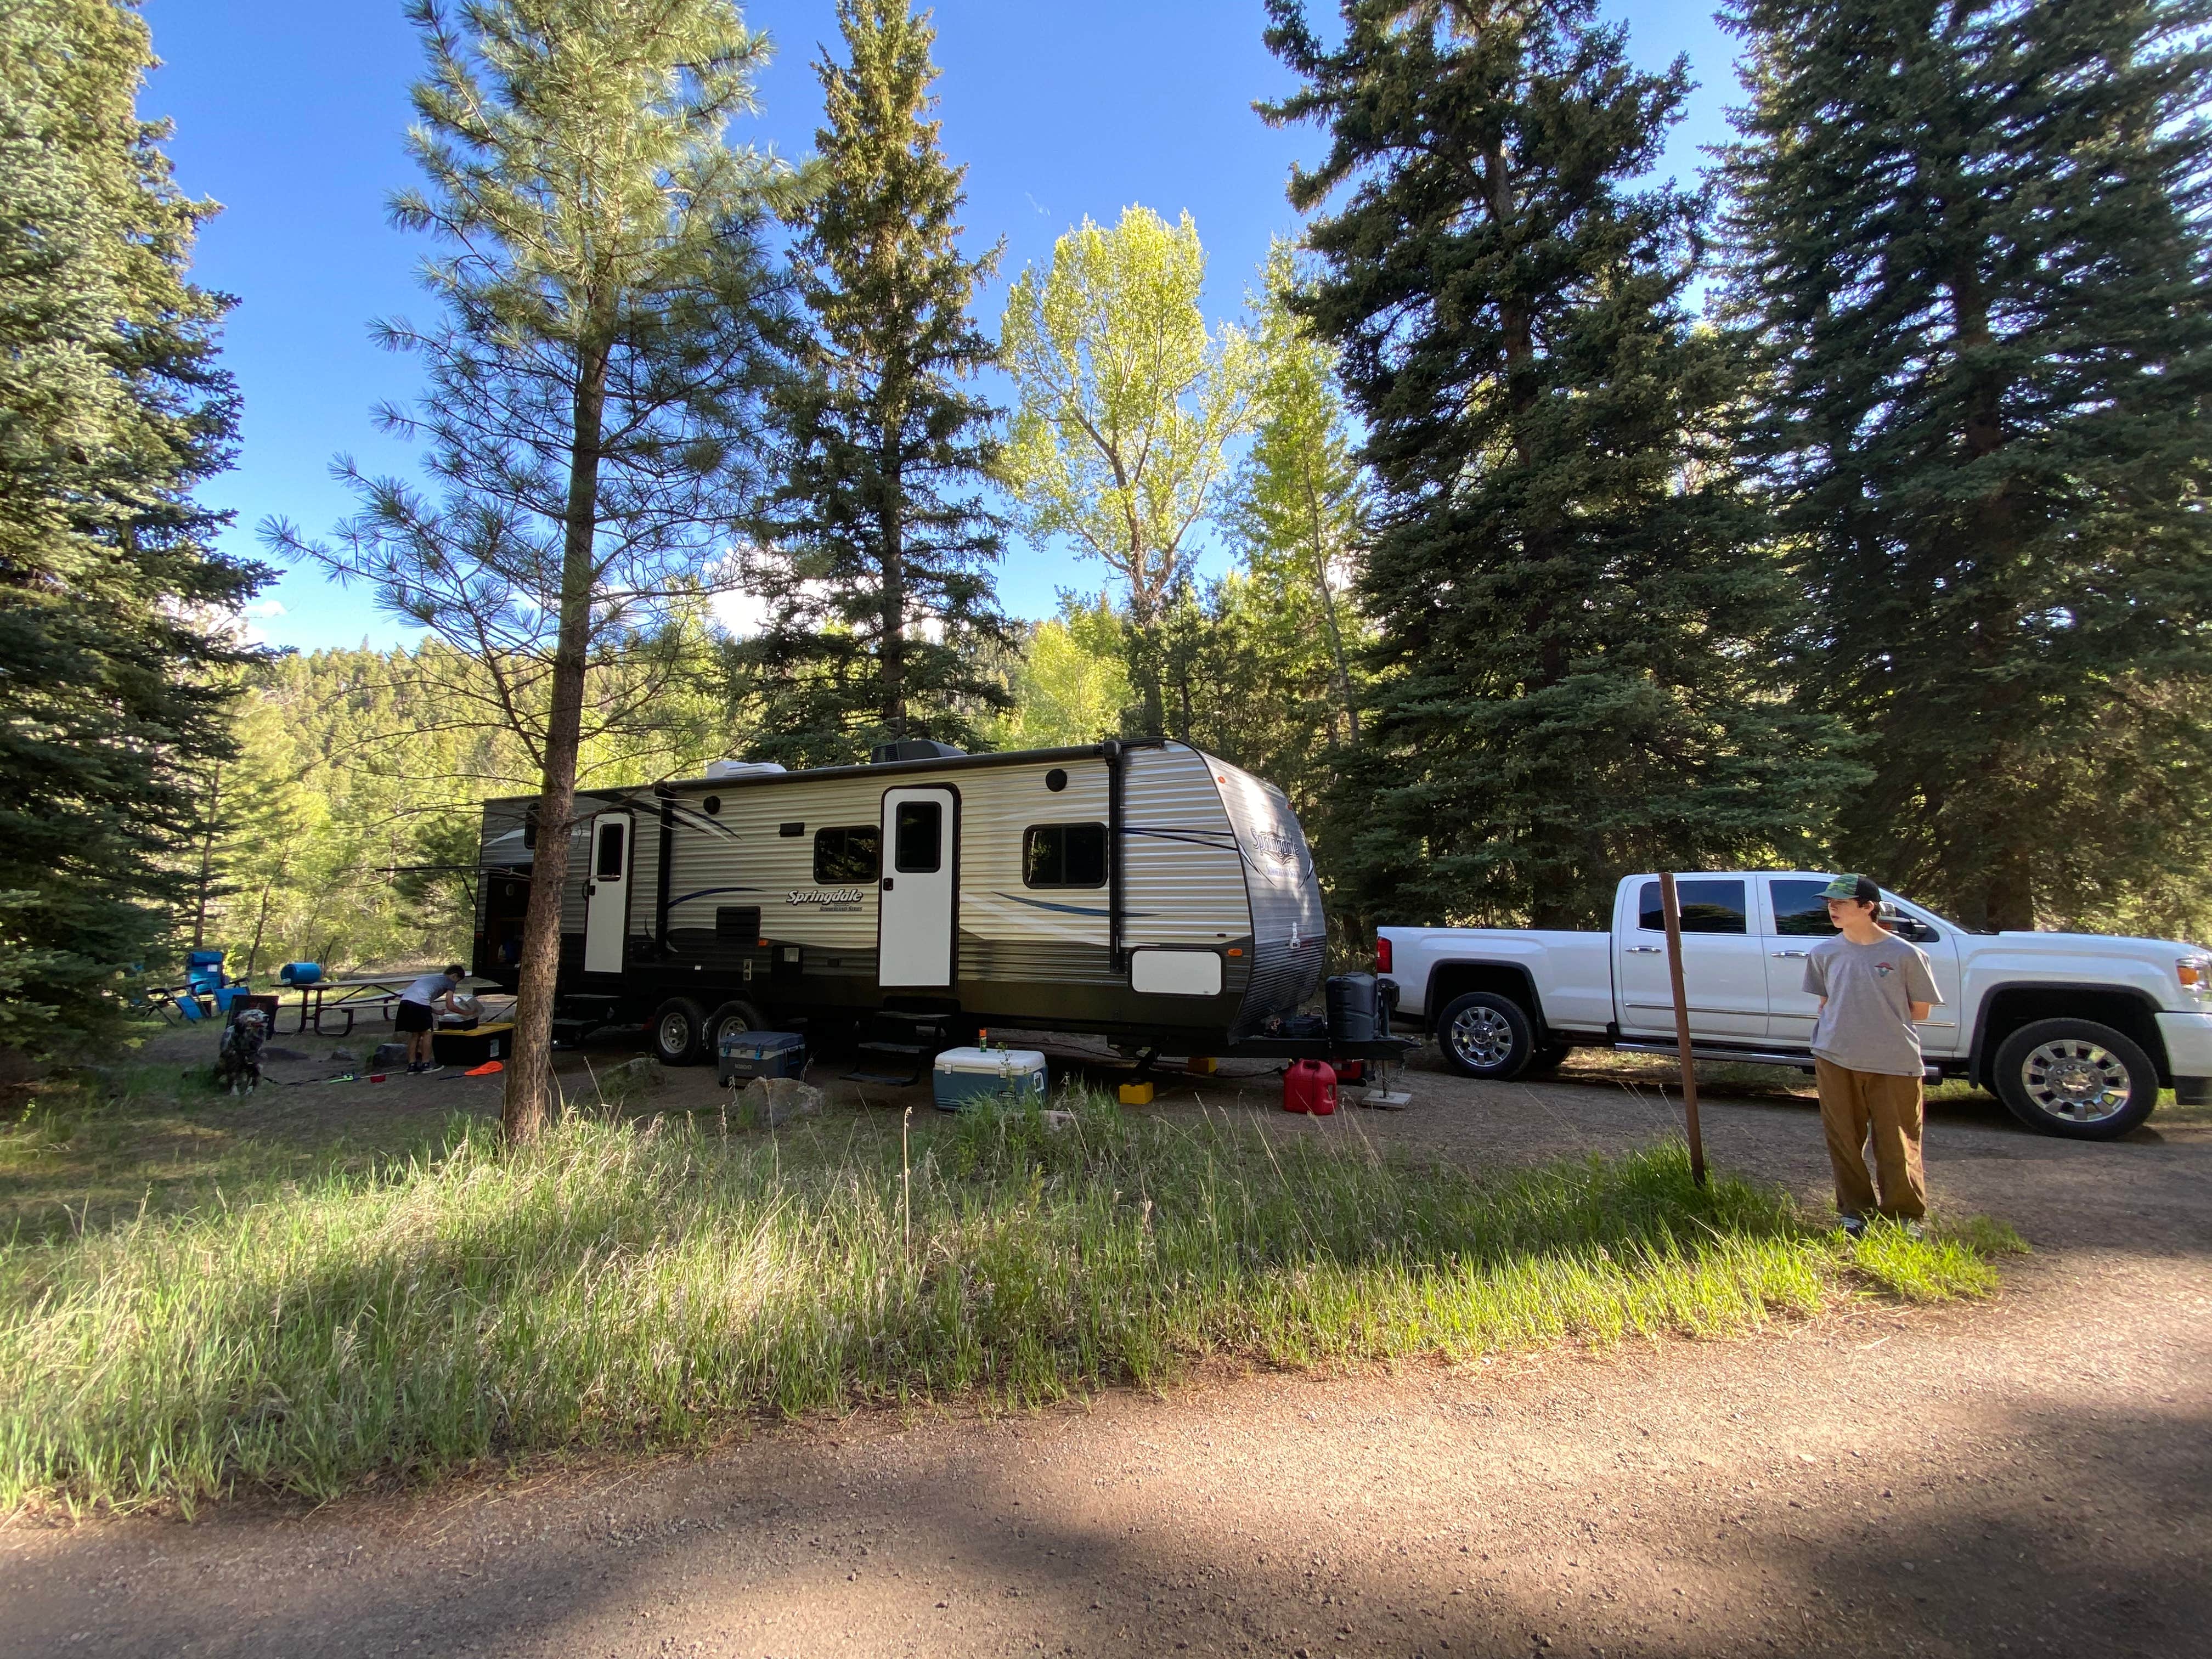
[{"x": 889, "y": 1079}]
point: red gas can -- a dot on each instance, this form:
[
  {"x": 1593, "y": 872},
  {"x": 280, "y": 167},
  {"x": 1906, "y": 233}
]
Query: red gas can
[{"x": 1310, "y": 1086}]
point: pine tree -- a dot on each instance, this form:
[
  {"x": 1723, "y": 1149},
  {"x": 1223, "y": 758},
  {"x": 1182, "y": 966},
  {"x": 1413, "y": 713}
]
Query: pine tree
[
  {"x": 1972, "y": 236},
  {"x": 877, "y": 553},
  {"x": 114, "y": 601},
  {"x": 1572, "y": 611},
  {"x": 609, "y": 326}
]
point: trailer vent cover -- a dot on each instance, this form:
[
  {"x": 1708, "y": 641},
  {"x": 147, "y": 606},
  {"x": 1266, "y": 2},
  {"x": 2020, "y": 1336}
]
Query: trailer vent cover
[{"x": 913, "y": 749}]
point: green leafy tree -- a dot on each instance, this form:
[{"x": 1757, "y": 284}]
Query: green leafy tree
[
  {"x": 114, "y": 601},
  {"x": 1572, "y": 611},
  {"x": 1071, "y": 685},
  {"x": 1972, "y": 238},
  {"x": 1299, "y": 508},
  {"x": 609, "y": 327},
  {"x": 1127, "y": 403},
  {"x": 876, "y": 554}
]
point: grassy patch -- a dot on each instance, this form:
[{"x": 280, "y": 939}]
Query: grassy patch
[{"x": 626, "y": 1285}]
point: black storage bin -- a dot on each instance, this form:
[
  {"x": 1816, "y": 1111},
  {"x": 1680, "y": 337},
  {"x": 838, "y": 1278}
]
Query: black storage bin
[
  {"x": 748, "y": 1055},
  {"x": 1351, "y": 999}
]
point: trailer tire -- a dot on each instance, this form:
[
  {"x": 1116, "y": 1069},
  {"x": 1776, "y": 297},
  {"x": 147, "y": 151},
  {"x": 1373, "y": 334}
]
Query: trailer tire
[
  {"x": 679, "y": 1032},
  {"x": 1485, "y": 1034},
  {"x": 733, "y": 1018},
  {"x": 2075, "y": 1078}
]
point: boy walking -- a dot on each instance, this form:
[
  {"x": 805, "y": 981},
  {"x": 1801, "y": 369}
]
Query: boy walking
[
  {"x": 1875, "y": 990},
  {"x": 417, "y": 1015}
]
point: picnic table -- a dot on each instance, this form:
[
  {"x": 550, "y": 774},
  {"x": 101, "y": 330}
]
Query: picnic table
[{"x": 372, "y": 993}]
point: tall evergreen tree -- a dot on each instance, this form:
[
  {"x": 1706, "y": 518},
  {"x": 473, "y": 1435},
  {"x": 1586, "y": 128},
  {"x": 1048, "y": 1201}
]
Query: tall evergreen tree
[
  {"x": 1972, "y": 235},
  {"x": 1572, "y": 613},
  {"x": 114, "y": 597},
  {"x": 609, "y": 323},
  {"x": 877, "y": 553}
]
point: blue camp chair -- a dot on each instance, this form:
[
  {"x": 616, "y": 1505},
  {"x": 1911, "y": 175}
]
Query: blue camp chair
[{"x": 203, "y": 972}]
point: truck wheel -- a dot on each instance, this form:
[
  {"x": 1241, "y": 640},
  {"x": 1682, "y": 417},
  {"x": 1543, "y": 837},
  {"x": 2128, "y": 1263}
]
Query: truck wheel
[
  {"x": 2075, "y": 1077},
  {"x": 679, "y": 1031},
  {"x": 731, "y": 1019},
  {"x": 1486, "y": 1034}
]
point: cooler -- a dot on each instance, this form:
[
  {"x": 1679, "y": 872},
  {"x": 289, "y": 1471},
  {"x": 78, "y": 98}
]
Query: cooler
[
  {"x": 473, "y": 1045},
  {"x": 962, "y": 1075},
  {"x": 748, "y": 1055}
]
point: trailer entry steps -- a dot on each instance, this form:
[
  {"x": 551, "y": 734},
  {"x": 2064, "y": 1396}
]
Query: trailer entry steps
[{"x": 899, "y": 1049}]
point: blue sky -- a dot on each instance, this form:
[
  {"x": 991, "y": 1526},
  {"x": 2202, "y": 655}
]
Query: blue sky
[{"x": 292, "y": 115}]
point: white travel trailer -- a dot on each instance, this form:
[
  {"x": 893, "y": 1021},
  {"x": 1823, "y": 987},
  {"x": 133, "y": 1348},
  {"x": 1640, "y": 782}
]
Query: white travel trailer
[{"x": 1142, "y": 889}]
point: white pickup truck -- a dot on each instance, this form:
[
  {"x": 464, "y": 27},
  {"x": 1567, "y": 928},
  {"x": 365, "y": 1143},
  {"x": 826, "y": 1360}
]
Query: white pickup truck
[{"x": 2076, "y": 1032}]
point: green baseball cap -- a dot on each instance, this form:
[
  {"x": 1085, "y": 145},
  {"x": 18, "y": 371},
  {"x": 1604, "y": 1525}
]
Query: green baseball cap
[{"x": 1853, "y": 887}]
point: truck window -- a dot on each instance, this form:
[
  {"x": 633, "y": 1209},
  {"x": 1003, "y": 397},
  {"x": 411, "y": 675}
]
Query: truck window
[
  {"x": 1064, "y": 855},
  {"x": 846, "y": 855},
  {"x": 1800, "y": 911},
  {"x": 1708, "y": 906}
]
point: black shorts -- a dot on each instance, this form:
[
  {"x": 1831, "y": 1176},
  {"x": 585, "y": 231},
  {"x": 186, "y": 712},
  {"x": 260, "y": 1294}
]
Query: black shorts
[{"x": 414, "y": 1016}]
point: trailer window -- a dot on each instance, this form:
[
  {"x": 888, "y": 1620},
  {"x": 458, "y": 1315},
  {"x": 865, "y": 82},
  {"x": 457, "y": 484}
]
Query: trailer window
[
  {"x": 843, "y": 856},
  {"x": 1064, "y": 855},
  {"x": 609, "y": 866},
  {"x": 920, "y": 831},
  {"x": 1708, "y": 906}
]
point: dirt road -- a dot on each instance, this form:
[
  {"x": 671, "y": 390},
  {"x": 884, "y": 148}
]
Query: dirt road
[{"x": 2033, "y": 1476}]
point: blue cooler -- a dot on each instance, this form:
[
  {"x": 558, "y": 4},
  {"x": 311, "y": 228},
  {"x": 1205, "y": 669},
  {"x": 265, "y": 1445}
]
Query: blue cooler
[
  {"x": 962, "y": 1075},
  {"x": 748, "y": 1055}
]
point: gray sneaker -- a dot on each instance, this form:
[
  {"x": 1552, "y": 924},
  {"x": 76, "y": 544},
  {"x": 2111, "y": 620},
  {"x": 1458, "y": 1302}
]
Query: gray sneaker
[
  {"x": 1916, "y": 1229},
  {"x": 1854, "y": 1226},
  {"x": 433, "y": 1066}
]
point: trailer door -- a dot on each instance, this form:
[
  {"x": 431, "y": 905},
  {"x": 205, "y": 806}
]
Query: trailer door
[
  {"x": 607, "y": 894},
  {"x": 920, "y": 874}
]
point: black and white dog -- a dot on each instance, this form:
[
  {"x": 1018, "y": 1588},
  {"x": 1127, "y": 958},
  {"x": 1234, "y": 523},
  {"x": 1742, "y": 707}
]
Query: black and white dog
[{"x": 238, "y": 1062}]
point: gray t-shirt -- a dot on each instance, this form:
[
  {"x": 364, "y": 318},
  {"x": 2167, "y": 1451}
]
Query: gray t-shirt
[{"x": 1866, "y": 1024}]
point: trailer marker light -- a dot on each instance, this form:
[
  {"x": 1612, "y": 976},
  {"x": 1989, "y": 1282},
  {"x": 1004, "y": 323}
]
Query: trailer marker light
[{"x": 1236, "y": 951}]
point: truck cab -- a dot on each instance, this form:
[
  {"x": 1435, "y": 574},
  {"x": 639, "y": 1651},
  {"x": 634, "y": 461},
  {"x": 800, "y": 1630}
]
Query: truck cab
[{"x": 2077, "y": 1032}]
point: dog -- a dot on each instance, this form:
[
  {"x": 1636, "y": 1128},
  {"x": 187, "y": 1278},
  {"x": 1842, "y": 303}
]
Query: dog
[{"x": 238, "y": 1062}]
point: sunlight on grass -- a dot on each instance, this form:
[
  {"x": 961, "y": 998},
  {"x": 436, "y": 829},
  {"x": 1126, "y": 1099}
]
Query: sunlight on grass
[{"x": 620, "y": 1285}]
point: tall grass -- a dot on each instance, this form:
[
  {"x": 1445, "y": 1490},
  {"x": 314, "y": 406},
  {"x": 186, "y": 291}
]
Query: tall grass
[{"x": 617, "y": 1285}]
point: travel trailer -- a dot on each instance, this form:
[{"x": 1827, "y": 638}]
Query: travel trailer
[{"x": 1142, "y": 889}]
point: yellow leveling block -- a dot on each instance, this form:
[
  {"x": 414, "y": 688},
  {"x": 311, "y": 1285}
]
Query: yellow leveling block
[{"x": 1136, "y": 1094}]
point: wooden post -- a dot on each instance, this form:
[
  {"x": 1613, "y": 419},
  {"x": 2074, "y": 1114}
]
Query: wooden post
[{"x": 1682, "y": 1024}]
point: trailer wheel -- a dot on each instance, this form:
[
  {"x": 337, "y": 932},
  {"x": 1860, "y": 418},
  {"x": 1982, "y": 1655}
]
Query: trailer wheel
[
  {"x": 2076, "y": 1079},
  {"x": 1486, "y": 1034},
  {"x": 731, "y": 1019},
  {"x": 679, "y": 1028}
]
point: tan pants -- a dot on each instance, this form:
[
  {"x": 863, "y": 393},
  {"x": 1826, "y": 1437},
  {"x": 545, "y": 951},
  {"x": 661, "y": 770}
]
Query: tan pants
[{"x": 1855, "y": 1104}]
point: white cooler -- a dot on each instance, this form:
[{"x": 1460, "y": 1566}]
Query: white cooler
[{"x": 965, "y": 1074}]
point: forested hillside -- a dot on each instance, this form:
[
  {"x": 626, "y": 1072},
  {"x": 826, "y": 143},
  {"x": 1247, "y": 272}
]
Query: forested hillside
[{"x": 1534, "y": 517}]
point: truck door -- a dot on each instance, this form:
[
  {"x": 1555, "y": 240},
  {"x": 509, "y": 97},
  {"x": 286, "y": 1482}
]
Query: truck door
[
  {"x": 607, "y": 894},
  {"x": 1723, "y": 966},
  {"x": 914, "y": 920},
  {"x": 1798, "y": 919}
]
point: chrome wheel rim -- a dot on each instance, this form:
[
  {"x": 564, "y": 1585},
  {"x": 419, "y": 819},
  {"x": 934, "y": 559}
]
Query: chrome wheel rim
[
  {"x": 675, "y": 1033},
  {"x": 725, "y": 1029},
  {"x": 2077, "y": 1081},
  {"x": 1482, "y": 1037}
]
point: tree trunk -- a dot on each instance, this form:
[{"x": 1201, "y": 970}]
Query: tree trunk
[
  {"x": 207, "y": 857},
  {"x": 1329, "y": 615},
  {"x": 530, "y": 1068},
  {"x": 890, "y": 527}
]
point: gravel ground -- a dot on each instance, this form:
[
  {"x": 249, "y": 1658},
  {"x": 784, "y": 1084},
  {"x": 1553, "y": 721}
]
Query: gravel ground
[{"x": 2029, "y": 1476}]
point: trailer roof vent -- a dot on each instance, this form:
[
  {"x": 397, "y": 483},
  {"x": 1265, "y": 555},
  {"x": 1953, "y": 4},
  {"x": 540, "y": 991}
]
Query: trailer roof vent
[
  {"x": 908, "y": 749},
  {"x": 739, "y": 769}
]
